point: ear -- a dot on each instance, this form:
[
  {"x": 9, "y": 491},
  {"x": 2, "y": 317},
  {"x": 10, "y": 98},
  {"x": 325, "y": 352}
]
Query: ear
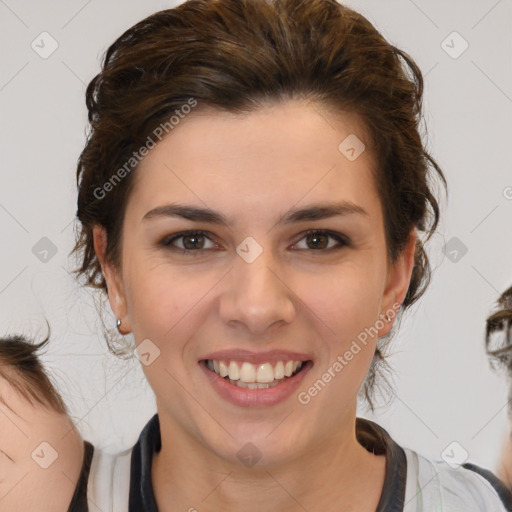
[
  {"x": 397, "y": 284},
  {"x": 113, "y": 278}
]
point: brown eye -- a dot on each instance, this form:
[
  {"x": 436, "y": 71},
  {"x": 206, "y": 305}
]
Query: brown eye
[
  {"x": 188, "y": 242},
  {"x": 193, "y": 241},
  {"x": 318, "y": 241},
  {"x": 321, "y": 240}
]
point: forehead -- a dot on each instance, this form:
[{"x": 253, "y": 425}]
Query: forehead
[
  {"x": 23, "y": 422},
  {"x": 17, "y": 410},
  {"x": 282, "y": 153},
  {"x": 14, "y": 407}
]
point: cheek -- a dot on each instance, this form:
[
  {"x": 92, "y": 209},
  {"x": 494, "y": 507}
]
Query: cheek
[
  {"x": 163, "y": 301},
  {"x": 346, "y": 309},
  {"x": 347, "y": 299}
]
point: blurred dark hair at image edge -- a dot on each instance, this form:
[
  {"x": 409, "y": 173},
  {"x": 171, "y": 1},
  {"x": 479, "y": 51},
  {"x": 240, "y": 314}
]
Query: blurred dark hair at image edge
[{"x": 498, "y": 336}]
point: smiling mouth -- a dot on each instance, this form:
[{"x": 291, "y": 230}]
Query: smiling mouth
[{"x": 255, "y": 376}]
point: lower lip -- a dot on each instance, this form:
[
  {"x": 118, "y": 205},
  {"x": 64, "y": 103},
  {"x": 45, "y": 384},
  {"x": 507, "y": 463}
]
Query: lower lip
[{"x": 245, "y": 397}]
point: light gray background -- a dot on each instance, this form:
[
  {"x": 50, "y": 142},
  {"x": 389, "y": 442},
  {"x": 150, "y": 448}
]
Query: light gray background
[{"x": 445, "y": 390}]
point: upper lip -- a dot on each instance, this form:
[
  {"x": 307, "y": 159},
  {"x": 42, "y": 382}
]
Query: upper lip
[{"x": 256, "y": 357}]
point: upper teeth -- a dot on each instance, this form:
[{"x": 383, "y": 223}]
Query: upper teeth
[{"x": 248, "y": 372}]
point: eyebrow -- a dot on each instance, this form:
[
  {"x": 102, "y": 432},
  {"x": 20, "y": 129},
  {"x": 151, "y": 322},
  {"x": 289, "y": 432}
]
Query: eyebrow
[{"x": 312, "y": 212}]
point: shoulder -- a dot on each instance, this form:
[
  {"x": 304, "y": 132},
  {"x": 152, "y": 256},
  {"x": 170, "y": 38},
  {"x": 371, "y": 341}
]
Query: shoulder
[
  {"x": 122, "y": 481},
  {"x": 436, "y": 485},
  {"x": 109, "y": 481}
]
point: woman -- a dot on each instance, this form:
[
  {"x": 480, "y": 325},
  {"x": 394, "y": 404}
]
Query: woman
[
  {"x": 498, "y": 343},
  {"x": 253, "y": 198}
]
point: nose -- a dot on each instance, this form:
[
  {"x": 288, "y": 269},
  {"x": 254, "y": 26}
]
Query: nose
[{"x": 256, "y": 296}]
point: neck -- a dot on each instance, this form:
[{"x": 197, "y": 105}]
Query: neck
[{"x": 338, "y": 474}]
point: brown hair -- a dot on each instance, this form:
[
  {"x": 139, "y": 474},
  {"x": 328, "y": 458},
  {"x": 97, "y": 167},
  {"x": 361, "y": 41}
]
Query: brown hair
[
  {"x": 238, "y": 56},
  {"x": 21, "y": 368},
  {"x": 500, "y": 353}
]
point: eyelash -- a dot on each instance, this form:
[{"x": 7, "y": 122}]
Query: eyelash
[{"x": 343, "y": 241}]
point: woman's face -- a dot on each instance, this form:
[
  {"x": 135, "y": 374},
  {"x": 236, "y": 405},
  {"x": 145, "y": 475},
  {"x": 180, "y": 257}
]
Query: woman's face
[{"x": 248, "y": 290}]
